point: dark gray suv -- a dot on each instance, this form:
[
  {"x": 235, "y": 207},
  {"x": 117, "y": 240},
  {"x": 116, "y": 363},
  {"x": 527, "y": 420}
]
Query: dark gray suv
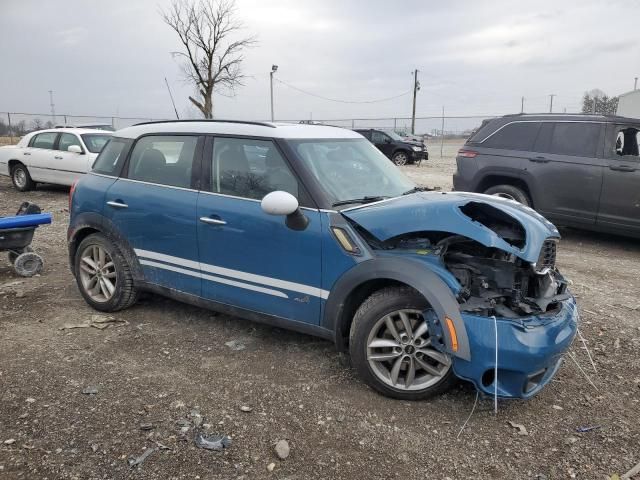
[{"x": 577, "y": 170}]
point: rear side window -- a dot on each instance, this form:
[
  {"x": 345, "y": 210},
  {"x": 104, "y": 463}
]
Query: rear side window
[
  {"x": 577, "y": 139},
  {"x": 514, "y": 136},
  {"x": 112, "y": 156},
  {"x": 66, "y": 140},
  {"x": 166, "y": 160},
  {"x": 44, "y": 140}
]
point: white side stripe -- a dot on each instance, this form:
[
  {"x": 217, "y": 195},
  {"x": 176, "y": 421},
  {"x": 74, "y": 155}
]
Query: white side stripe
[
  {"x": 211, "y": 278},
  {"x": 237, "y": 274}
]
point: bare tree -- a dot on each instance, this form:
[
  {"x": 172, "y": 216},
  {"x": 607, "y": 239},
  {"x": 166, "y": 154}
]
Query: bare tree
[{"x": 211, "y": 56}]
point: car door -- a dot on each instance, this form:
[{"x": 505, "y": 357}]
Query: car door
[
  {"x": 383, "y": 142},
  {"x": 620, "y": 199},
  {"x": 153, "y": 207},
  {"x": 68, "y": 166},
  {"x": 39, "y": 156},
  {"x": 250, "y": 259},
  {"x": 566, "y": 168}
]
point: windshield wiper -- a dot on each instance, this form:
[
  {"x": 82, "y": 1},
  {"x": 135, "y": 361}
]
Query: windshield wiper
[
  {"x": 418, "y": 189},
  {"x": 359, "y": 200}
]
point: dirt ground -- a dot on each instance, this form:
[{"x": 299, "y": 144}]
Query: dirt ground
[{"x": 165, "y": 368}]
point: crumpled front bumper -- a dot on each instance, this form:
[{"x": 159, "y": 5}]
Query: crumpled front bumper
[{"x": 530, "y": 351}]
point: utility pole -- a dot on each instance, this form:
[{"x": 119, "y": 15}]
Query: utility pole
[
  {"x": 442, "y": 134},
  {"x": 522, "y": 105},
  {"x": 635, "y": 83},
  {"x": 53, "y": 107},
  {"x": 551, "y": 102},
  {"x": 416, "y": 87},
  {"x": 274, "y": 69}
]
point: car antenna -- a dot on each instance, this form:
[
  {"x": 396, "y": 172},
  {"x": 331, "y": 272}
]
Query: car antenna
[{"x": 171, "y": 96}]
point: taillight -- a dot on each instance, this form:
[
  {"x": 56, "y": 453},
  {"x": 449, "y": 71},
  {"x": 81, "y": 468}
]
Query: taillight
[
  {"x": 73, "y": 189},
  {"x": 467, "y": 153}
]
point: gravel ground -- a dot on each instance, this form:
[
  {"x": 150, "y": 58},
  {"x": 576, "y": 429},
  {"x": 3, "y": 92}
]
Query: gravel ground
[{"x": 164, "y": 368}]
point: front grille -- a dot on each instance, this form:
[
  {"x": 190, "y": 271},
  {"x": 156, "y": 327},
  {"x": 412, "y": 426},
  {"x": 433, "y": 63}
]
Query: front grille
[{"x": 547, "y": 257}]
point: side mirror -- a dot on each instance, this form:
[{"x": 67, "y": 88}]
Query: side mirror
[
  {"x": 283, "y": 203},
  {"x": 74, "y": 149}
]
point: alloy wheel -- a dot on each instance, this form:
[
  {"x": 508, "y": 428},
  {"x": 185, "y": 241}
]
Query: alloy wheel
[
  {"x": 400, "y": 159},
  {"x": 98, "y": 273},
  {"x": 20, "y": 177},
  {"x": 400, "y": 353},
  {"x": 504, "y": 195}
]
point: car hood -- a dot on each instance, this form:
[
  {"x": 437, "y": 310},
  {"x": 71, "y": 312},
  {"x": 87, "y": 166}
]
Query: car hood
[
  {"x": 441, "y": 212},
  {"x": 413, "y": 143}
]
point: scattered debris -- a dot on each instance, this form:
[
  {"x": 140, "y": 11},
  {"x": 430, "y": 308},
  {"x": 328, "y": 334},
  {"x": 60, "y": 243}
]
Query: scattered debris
[
  {"x": 521, "y": 428},
  {"x": 161, "y": 446},
  {"x": 570, "y": 440},
  {"x": 271, "y": 466},
  {"x": 97, "y": 321},
  {"x": 197, "y": 418},
  {"x": 282, "y": 449},
  {"x": 30, "y": 400},
  {"x": 235, "y": 345},
  {"x": 587, "y": 429},
  {"x": 10, "y": 441},
  {"x": 245, "y": 408},
  {"x": 90, "y": 390},
  {"x": 631, "y": 473},
  {"x": 212, "y": 442},
  {"x": 557, "y": 407},
  {"x": 146, "y": 426},
  {"x": 137, "y": 461},
  {"x": 616, "y": 343},
  {"x": 94, "y": 447}
]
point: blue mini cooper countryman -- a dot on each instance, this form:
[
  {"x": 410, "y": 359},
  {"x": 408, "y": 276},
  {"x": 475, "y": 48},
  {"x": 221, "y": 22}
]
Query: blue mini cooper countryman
[{"x": 311, "y": 228}]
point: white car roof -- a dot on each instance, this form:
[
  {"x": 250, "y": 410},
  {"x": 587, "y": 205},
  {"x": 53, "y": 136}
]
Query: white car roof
[
  {"x": 78, "y": 131},
  {"x": 252, "y": 129}
]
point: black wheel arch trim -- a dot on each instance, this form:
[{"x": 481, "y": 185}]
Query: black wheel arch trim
[
  {"x": 403, "y": 270},
  {"x": 95, "y": 221}
]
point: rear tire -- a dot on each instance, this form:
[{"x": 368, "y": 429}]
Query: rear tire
[
  {"x": 103, "y": 275},
  {"x": 400, "y": 158},
  {"x": 391, "y": 356},
  {"x": 21, "y": 178},
  {"x": 510, "y": 192},
  {"x": 28, "y": 264}
]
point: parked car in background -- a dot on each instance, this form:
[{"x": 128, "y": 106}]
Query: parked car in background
[
  {"x": 311, "y": 228},
  {"x": 577, "y": 170},
  {"x": 396, "y": 148},
  {"x": 60, "y": 156}
]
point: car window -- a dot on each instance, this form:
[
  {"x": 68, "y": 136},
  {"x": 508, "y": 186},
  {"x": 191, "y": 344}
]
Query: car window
[
  {"x": 514, "y": 136},
  {"x": 166, "y": 160},
  {"x": 249, "y": 168},
  {"x": 574, "y": 138},
  {"x": 66, "y": 140},
  {"x": 44, "y": 140},
  {"x": 95, "y": 143},
  {"x": 111, "y": 157},
  {"x": 626, "y": 144},
  {"x": 378, "y": 137}
]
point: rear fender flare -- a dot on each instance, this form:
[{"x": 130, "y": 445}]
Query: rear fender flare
[{"x": 407, "y": 271}]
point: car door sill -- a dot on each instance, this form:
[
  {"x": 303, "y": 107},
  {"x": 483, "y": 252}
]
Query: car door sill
[{"x": 275, "y": 321}]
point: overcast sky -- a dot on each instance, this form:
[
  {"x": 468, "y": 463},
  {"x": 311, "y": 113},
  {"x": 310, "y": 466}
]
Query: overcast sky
[{"x": 111, "y": 57}]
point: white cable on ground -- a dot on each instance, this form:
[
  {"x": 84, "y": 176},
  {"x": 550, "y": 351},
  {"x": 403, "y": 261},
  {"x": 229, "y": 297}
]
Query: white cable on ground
[
  {"x": 584, "y": 342},
  {"x": 470, "y": 415},
  {"x": 495, "y": 369},
  {"x": 583, "y": 372}
]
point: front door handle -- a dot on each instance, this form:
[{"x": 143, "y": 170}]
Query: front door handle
[
  {"x": 622, "y": 168},
  {"x": 26, "y": 153},
  {"x": 539, "y": 159},
  {"x": 58, "y": 157},
  {"x": 212, "y": 221},
  {"x": 117, "y": 204}
]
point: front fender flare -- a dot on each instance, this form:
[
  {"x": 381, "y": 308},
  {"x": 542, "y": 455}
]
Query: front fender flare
[{"x": 410, "y": 272}]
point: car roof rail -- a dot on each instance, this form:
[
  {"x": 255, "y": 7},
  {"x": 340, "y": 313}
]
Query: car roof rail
[{"x": 246, "y": 122}]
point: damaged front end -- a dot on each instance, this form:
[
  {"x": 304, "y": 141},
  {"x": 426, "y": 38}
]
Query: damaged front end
[{"x": 498, "y": 258}]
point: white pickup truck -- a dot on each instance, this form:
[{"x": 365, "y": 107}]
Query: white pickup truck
[{"x": 60, "y": 156}]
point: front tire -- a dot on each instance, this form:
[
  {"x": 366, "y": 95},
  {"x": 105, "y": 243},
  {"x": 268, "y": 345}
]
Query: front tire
[
  {"x": 509, "y": 192},
  {"x": 391, "y": 348},
  {"x": 21, "y": 178},
  {"x": 400, "y": 158},
  {"x": 103, "y": 275}
]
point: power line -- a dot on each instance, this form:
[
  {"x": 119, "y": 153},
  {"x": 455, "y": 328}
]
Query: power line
[{"x": 341, "y": 101}]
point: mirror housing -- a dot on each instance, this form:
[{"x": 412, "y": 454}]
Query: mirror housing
[
  {"x": 283, "y": 203},
  {"x": 74, "y": 149}
]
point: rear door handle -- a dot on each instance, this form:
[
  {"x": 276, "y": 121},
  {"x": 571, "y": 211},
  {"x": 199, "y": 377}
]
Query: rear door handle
[
  {"x": 58, "y": 157},
  {"x": 117, "y": 204},
  {"x": 212, "y": 221},
  {"x": 539, "y": 159},
  {"x": 26, "y": 153},
  {"x": 622, "y": 168}
]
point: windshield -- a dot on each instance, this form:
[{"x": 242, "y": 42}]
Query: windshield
[
  {"x": 95, "y": 142},
  {"x": 351, "y": 170},
  {"x": 394, "y": 135}
]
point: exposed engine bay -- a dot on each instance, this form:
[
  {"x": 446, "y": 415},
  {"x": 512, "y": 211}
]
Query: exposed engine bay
[{"x": 494, "y": 282}]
